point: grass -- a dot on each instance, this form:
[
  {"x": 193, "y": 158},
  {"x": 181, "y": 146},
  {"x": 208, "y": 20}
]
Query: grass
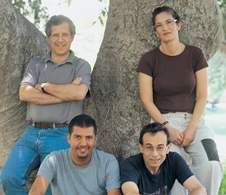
[{"x": 223, "y": 183}]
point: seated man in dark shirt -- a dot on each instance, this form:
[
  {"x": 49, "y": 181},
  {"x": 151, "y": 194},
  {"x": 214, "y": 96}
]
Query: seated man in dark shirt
[{"x": 155, "y": 169}]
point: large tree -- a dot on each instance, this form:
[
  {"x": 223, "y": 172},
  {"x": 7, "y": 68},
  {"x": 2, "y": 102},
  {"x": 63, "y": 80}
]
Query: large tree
[
  {"x": 19, "y": 40},
  {"x": 129, "y": 33},
  {"x": 114, "y": 103}
]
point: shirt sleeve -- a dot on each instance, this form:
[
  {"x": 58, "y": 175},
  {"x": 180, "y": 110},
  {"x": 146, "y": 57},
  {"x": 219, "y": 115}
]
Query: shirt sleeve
[
  {"x": 112, "y": 174},
  {"x": 128, "y": 172},
  {"x": 31, "y": 73},
  {"x": 145, "y": 65},
  {"x": 182, "y": 170},
  {"x": 199, "y": 60},
  {"x": 84, "y": 71},
  {"x": 48, "y": 168}
]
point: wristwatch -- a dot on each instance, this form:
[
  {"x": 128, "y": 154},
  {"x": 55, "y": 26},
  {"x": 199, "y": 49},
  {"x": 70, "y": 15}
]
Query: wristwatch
[{"x": 42, "y": 88}]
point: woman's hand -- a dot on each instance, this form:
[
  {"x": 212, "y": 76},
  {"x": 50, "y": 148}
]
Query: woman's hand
[
  {"x": 175, "y": 136},
  {"x": 189, "y": 135}
]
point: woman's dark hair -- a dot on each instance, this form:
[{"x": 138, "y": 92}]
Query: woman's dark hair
[{"x": 167, "y": 9}]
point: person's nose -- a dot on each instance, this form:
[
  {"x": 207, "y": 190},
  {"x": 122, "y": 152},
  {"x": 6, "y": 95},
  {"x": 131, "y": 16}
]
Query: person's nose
[
  {"x": 164, "y": 26},
  {"x": 83, "y": 142},
  {"x": 60, "y": 38},
  {"x": 154, "y": 152}
]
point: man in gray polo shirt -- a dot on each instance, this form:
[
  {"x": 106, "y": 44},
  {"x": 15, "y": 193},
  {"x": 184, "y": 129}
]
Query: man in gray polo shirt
[
  {"x": 54, "y": 88},
  {"x": 80, "y": 170}
]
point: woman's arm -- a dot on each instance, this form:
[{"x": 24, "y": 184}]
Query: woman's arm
[
  {"x": 146, "y": 96},
  {"x": 201, "y": 98}
]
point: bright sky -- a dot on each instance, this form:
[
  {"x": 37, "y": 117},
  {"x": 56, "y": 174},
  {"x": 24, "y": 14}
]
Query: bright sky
[{"x": 83, "y": 13}]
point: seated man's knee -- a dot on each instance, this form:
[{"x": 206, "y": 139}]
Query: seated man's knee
[{"x": 10, "y": 178}]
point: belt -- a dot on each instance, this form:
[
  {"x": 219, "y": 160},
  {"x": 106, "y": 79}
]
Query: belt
[{"x": 46, "y": 125}]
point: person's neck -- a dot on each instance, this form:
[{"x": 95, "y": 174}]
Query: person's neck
[
  {"x": 152, "y": 170},
  {"x": 59, "y": 58},
  {"x": 81, "y": 162},
  {"x": 172, "y": 48}
]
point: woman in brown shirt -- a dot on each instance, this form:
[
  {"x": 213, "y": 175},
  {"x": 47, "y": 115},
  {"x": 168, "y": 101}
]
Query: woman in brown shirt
[{"x": 173, "y": 89}]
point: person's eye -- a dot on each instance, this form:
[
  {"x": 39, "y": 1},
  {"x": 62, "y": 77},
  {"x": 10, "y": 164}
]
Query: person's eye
[
  {"x": 66, "y": 35},
  {"x": 158, "y": 25},
  {"x": 55, "y": 35},
  {"x": 169, "y": 21},
  {"x": 89, "y": 138},
  {"x": 160, "y": 148},
  {"x": 77, "y": 137},
  {"x": 149, "y": 148}
]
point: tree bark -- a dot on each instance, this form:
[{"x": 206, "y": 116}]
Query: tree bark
[
  {"x": 19, "y": 41},
  {"x": 114, "y": 103},
  {"x": 129, "y": 33}
]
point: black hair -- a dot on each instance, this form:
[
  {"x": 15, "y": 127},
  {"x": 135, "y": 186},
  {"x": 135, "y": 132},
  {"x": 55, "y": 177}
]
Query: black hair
[
  {"x": 82, "y": 120},
  {"x": 167, "y": 9},
  {"x": 57, "y": 20},
  {"x": 153, "y": 128}
]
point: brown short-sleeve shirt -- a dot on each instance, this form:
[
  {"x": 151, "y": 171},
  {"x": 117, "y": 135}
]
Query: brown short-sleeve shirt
[{"x": 174, "y": 81}]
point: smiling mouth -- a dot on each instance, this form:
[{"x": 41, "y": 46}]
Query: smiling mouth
[
  {"x": 83, "y": 148},
  {"x": 166, "y": 33},
  {"x": 155, "y": 160}
]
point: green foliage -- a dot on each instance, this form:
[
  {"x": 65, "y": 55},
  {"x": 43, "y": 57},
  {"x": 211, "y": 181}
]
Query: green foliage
[
  {"x": 223, "y": 183},
  {"x": 217, "y": 76},
  {"x": 222, "y": 3},
  {"x": 31, "y": 8}
]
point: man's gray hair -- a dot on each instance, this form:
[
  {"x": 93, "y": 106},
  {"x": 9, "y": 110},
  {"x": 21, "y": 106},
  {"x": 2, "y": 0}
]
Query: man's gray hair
[{"x": 57, "y": 20}]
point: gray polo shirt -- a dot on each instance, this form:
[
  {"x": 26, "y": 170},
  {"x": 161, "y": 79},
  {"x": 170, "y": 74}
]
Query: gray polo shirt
[
  {"x": 97, "y": 178},
  {"x": 41, "y": 70}
]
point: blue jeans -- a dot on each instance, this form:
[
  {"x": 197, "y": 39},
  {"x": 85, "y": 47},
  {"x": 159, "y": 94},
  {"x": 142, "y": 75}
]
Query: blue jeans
[{"x": 27, "y": 154}]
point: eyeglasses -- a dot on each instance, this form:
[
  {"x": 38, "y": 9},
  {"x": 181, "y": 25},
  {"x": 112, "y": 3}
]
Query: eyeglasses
[
  {"x": 168, "y": 23},
  {"x": 159, "y": 149}
]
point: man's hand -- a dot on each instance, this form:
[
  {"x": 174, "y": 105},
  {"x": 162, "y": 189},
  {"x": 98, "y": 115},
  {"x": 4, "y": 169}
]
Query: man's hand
[
  {"x": 77, "y": 81},
  {"x": 38, "y": 87},
  {"x": 74, "y": 91},
  {"x": 41, "y": 86}
]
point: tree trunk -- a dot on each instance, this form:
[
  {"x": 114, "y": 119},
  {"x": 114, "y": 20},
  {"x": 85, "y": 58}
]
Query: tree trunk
[
  {"x": 114, "y": 103},
  {"x": 129, "y": 33},
  {"x": 19, "y": 40}
]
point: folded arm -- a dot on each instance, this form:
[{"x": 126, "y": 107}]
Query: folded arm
[
  {"x": 33, "y": 95},
  {"x": 53, "y": 93},
  {"x": 66, "y": 92}
]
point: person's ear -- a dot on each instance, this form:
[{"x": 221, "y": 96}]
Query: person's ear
[
  {"x": 68, "y": 138},
  {"x": 141, "y": 148},
  {"x": 95, "y": 140},
  {"x": 168, "y": 148},
  {"x": 72, "y": 37},
  {"x": 179, "y": 24},
  {"x": 156, "y": 34}
]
